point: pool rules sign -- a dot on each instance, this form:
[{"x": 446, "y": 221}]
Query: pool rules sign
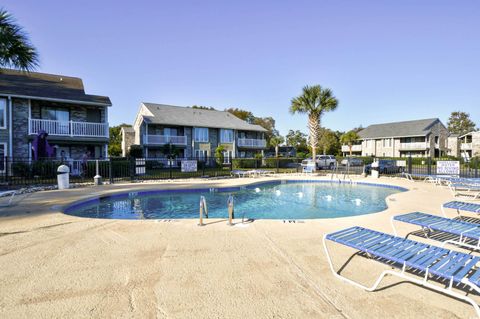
[
  {"x": 448, "y": 168},
  {"x": 189, "y": 166}
]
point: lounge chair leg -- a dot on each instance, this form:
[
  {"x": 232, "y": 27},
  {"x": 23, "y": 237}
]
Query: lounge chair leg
[
  {"x": 372, "y": 288},
  {"x": 402, "y": 275}
]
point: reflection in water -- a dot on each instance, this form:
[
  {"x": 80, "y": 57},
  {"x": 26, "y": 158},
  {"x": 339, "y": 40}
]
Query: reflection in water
[{"x": 273, "y": 201}]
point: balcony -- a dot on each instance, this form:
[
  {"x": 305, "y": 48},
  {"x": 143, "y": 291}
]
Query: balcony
[
  {"x": 68, "y": 128},
  {"x": 355, "y": 148},
  {"x": 164, "y": 139},
  {"x": 252, "y": 142},
  {"x": 413, "y": 146},
  {"x": 466, "y": 146}
]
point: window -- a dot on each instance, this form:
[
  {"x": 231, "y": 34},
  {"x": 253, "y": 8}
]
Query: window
[
  {"x": 200, "y": 134},
  {"x": 50, "y": 113},
  {"x": 226, "y": 136},
  {"x": 201, "y": 154},
  {"x": 3, "y": 113},
  {"x": 227, "y": 155},
  {"x": 170, "y": 131},
  {"x": 3, "y": 148}
]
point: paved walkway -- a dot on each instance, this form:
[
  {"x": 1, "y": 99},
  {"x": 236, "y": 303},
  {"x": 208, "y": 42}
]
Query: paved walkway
[{"x": 54, "y": 265}]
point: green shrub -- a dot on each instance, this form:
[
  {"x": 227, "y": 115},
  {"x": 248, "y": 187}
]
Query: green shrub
[
  {"x": 282, "y": 162},
  {"x": 246, "y": 163},
  {"x": 21, "y": 169},
  {"x": 135, "y": 151}
]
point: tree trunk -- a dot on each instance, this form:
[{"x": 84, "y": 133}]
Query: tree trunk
[
  {"x": 314, "y": 128},
  {"x": 350, "y": 147},
  {"x": 276, "y": 150}
]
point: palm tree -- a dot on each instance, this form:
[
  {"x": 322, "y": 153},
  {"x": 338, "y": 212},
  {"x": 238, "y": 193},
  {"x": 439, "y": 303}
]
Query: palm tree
[
  {"x": 314, "y": 101},
  {"x": 349, "y": 138},
  {"x": 276, "y": 141},
  {"x": 16, "y": 51}
]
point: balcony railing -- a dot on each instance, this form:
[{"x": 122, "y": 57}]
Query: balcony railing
[
  {"x": 252, "y": 142},
  {"x": 68, "y": 128},
  {"x": 164, "y": 139},
  {"x": 413, "y": 146},
  {"x": 466, "y": 146},
  {"x": 355, "y": 148}
]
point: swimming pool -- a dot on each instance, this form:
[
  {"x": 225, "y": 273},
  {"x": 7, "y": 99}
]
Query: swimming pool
[{"x": 271, "y": 200}]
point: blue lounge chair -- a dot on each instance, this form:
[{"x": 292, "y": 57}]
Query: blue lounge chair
[
  {"x": 413, "y": 259},
  {"x": 461, "y": 206},
  {"x": 464, "y": 230}
]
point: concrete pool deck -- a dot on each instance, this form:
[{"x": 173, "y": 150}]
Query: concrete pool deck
[{"x": 55, "y": 265}]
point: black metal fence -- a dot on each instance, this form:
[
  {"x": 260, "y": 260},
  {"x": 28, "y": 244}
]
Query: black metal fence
[{"x": 18, "y": 172}]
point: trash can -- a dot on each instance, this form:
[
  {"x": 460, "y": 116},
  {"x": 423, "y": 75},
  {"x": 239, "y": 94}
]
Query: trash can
[{"x": 63, "y": 177}]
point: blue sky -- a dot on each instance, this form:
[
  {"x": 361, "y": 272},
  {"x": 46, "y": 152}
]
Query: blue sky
[{"x": 385, "y": 60}]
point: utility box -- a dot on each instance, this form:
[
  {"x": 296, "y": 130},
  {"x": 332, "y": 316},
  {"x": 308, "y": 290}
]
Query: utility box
[{"x": 63, "y": 177}]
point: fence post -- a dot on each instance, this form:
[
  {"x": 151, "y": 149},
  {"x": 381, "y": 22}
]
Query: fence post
[
  {"x": 6, "y": 171},
  {"x": 476, "y": 167},
  {"x": 170, "y": 167},
  {"x": 132, "y": 168},
  {"x": 277, "y": 162},
  {"x": 110, "y": 170},
  {"x": 204, "y": 163},
  {"x": 429, "y": 166},
  {"x": 409, "y": 165}
]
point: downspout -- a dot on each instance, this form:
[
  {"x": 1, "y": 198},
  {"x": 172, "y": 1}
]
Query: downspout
[
  {"x": 10, "y": 127},
  {"x": 107, "y": 132}
]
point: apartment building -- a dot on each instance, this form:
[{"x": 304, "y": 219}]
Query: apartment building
[
  {"x": 465, "y": 146},
  {"x": 33, "y": 103},
  {"x": 193, "y": 132},
  {"x": 418, "y": 138}
]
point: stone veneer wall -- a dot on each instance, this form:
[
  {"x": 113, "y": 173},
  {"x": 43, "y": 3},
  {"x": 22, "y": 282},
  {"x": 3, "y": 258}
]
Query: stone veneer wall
[
  {"x": 188, "y": 148},
  {"x": 128, "y": 139},
  {"x": 476, "y": 143},
  {"x": 20, "y": 128}
]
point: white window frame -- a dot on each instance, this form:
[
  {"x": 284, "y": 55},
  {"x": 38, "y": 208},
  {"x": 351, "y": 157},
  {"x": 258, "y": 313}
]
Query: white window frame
[
  {"x": 223, "y": 135},
  {"x": 227, "y": 156},
  {"x": 3, "y": 157},
  {"x": 201, "y": 154},
  {"x": 200, "y": 138},
  {"x": 4, "y": 126}
]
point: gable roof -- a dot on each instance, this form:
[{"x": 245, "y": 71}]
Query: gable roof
[
  {"x": 47, "y": 86},
  {"x": 398, "y": 129},
  {"x": 187, "y": 116}
]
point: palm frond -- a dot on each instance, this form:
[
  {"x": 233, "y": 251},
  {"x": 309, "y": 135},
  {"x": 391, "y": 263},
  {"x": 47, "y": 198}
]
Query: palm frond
[{"x": 16, "y": 51}]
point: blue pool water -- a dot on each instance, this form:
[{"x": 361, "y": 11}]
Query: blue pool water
[{"x": 273, "y": 200}]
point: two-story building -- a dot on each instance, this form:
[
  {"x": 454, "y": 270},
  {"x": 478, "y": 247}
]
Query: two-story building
[
  {"x": 193, "y": 132},
  {"x": 419, "y": 138},
  {"x": 465, "y": 145},
  {"x": 30, "y": 103}
]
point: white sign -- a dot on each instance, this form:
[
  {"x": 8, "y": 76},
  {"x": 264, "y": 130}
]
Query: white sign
[
  {"x": 189, "y": 166},
  {"x": 448, "y": 168}
]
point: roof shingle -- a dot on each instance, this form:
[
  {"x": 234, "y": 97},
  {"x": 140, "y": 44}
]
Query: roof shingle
[
  {"x": 49, "y": 86},
  {"x": 398, "y": 129},
  {"x": 187, "y": 116}
]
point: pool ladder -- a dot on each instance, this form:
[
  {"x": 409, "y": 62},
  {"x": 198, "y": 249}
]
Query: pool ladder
[{"x": 203, "y": 210}]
